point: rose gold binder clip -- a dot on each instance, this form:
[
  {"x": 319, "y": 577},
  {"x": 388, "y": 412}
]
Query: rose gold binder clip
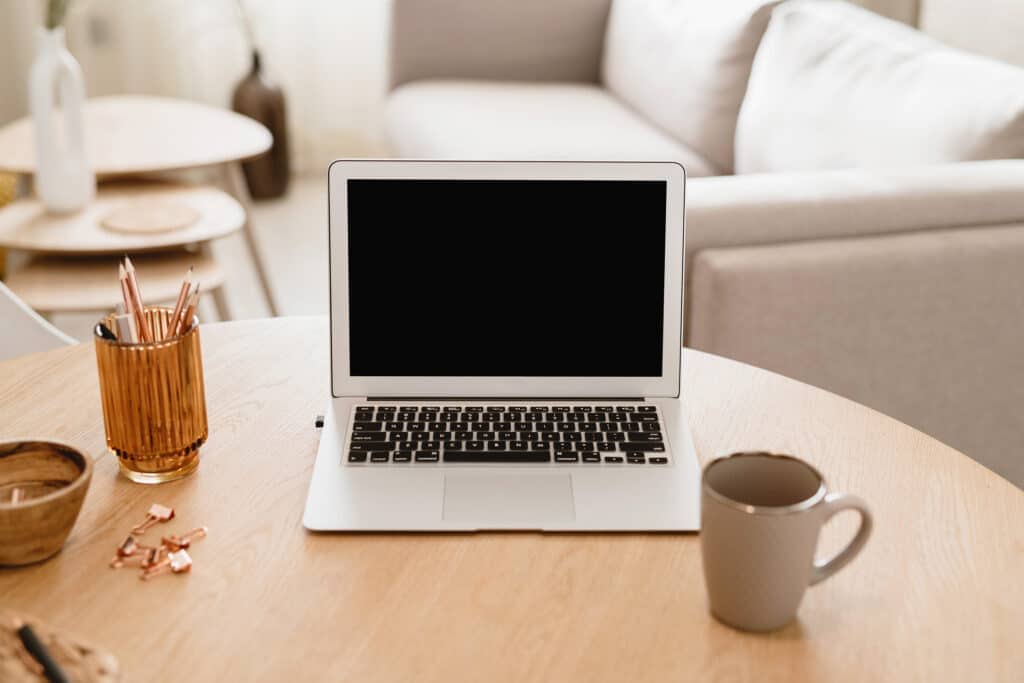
[
  {"x": 175, "y": 542},
  {"x": 130, "y": 550},
  {"x": 178, "y": 562},
  {"x": 156, "y": 513}
]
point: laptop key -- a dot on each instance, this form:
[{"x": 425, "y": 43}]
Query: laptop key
[
  {"x": 642, "y": 447},
  {"x": 646, "y": 409},
  {"x": 364, "y": 409},
  {"x": 651, "y": 427},
  {"x": 402, "y": 456},
  {"x": 636, "y": 460},
  {"x": 644, "y": 436},
  {"x": 357, "y": 457},
  {"x": 500, "y": 456},
  {"x": 371, "y": 446},
  {"x": 605, "y": 446},
  {"x": 368, "y": 427},
  {"x": 612, "y": 459},
  {"x": 366, "y": 436},
  {"x": 380, "y": 456},
  {"x": 590, "y": 456},
  {"x": 658, "y": 461},
  {"x": 428, "y": 456},
  {"x": 566, "y": 457},
  {"x": 453, "y": 445},
  {"x": 474, "y": 445},
  {"x": 642, "y": 417},
  {"x": 495, "y": 445}
]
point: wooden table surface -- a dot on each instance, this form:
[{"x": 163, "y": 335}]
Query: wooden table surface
[
  {"x": 26, "y": 224},
  {"x": 937, "y": 594},
  {"x": 132, "y": 134}
]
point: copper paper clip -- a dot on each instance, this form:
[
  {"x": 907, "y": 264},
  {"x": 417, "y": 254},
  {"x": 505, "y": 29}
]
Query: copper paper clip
[
  {"x": 175, "y": 542},
  {"x": 157, "y": 513},
  {"x": 129, "y": 548},
  {"x": 178, "y": 562}
]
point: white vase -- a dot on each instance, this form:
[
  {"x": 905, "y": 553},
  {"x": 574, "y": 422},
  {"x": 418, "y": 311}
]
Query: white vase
[{"x": 64, "y": 181}]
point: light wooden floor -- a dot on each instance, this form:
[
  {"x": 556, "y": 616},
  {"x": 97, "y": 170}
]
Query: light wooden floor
[{"x": 292, "y": 234}]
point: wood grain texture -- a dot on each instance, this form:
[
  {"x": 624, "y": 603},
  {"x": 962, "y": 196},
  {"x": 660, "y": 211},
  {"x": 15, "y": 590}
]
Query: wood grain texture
[
  {"x": 55, "y": 284},
  {"x": 42, "y": 486},
  {"x": 132, "y": 134},
  {"x": 935, "y": 596},
  {"x": 25, "y": 224}
]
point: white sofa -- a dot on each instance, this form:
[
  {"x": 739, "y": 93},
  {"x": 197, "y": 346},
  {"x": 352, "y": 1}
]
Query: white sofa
[{"x": 855, "y": 209}]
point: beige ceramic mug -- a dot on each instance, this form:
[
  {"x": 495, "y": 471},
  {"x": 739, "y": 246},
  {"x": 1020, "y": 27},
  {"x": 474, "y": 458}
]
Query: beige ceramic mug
[{"x": 760, "y": 518}]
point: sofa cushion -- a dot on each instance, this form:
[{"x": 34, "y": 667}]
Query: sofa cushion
[
  {"x": 836, "y": 86},
  {"x": 494, "y": 120},
  {"x": 684, "y": 64}
]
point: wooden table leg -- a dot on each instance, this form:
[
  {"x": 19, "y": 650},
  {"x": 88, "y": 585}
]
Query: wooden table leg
[
  {"x": 234, "y": 183},
  {"x": 219, "y": 298}
]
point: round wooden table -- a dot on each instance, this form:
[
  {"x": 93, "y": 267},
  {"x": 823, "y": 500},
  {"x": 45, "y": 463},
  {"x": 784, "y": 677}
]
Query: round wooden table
[
  {"x": 936, "y": 596},
  {"x": 129, "y": 135},
  {"x": 132, "y": 134},
  {"x": 25, "y": 224}
]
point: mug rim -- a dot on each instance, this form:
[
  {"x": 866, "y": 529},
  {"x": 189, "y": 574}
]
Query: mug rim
[{"x": 799, "y": 506}]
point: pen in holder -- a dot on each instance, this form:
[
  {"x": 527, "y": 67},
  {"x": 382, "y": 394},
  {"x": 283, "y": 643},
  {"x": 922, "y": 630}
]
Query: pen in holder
[{"x": 154, "y": 401}]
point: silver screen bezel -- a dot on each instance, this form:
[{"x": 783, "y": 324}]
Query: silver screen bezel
[{"x": 344, "y": 384}]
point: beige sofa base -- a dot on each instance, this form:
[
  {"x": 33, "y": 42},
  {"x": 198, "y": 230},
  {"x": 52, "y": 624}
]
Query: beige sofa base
[{"x": 942, "y": 347}]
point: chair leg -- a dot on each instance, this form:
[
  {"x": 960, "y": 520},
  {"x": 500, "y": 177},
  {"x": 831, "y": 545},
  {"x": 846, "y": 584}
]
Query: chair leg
[
  {"x": 234, "y": 183},
  {"x": 221, "y": 303}
]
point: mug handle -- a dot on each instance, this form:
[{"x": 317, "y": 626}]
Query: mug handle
[{"x": 835, "y": 503}]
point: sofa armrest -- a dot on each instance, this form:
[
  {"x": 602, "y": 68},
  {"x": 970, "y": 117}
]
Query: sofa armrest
[
  {"x": 531, "y": 40},
  {"x": 775, "y": 208},
  {"x": 925, "y": 326}
]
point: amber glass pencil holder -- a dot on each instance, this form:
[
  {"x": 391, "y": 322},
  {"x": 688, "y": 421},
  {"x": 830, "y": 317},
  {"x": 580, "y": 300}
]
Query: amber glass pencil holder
[{"x": 154, "y": 401}]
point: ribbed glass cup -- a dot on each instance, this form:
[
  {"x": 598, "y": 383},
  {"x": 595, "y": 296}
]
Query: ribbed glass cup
[{"x": 154, "y": 401}]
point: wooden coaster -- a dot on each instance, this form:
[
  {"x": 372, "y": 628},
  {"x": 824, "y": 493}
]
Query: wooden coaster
[
  {"x": 150, "y": 215},
  {"x": 80, "y": 661}
]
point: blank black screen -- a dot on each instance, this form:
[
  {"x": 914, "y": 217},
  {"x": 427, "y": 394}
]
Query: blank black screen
[{"x": 523, "y": 278}]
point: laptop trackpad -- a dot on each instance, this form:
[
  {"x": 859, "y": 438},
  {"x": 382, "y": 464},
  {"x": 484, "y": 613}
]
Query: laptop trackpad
[{"x": 527, "y": 500}]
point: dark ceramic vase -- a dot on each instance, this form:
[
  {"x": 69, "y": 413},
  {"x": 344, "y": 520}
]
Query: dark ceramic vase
[{"x": 257, "y": 98}]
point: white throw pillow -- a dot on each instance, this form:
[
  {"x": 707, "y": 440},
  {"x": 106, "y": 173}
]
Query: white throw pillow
[
  {"x": 836, "y": 86},
  {"x": 684, "y": 65}
]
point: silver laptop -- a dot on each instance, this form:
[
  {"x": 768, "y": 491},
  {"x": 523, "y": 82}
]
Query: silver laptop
[{"x": 505, "y": 349}]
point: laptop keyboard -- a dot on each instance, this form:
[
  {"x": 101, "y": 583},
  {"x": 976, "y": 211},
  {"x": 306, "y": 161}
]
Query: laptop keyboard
[{"x": 564, "y": 434}]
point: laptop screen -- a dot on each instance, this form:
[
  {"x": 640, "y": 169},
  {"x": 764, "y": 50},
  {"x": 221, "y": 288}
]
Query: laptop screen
[{"x": 506, "y": 278}]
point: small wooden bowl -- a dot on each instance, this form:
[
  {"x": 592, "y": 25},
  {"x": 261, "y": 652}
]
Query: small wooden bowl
[{"x": 51, "y": 479}]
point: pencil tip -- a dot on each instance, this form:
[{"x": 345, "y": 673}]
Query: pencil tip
[
  {"x": 120, "y": 270},
  {"x": 128, "y": 264}
]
